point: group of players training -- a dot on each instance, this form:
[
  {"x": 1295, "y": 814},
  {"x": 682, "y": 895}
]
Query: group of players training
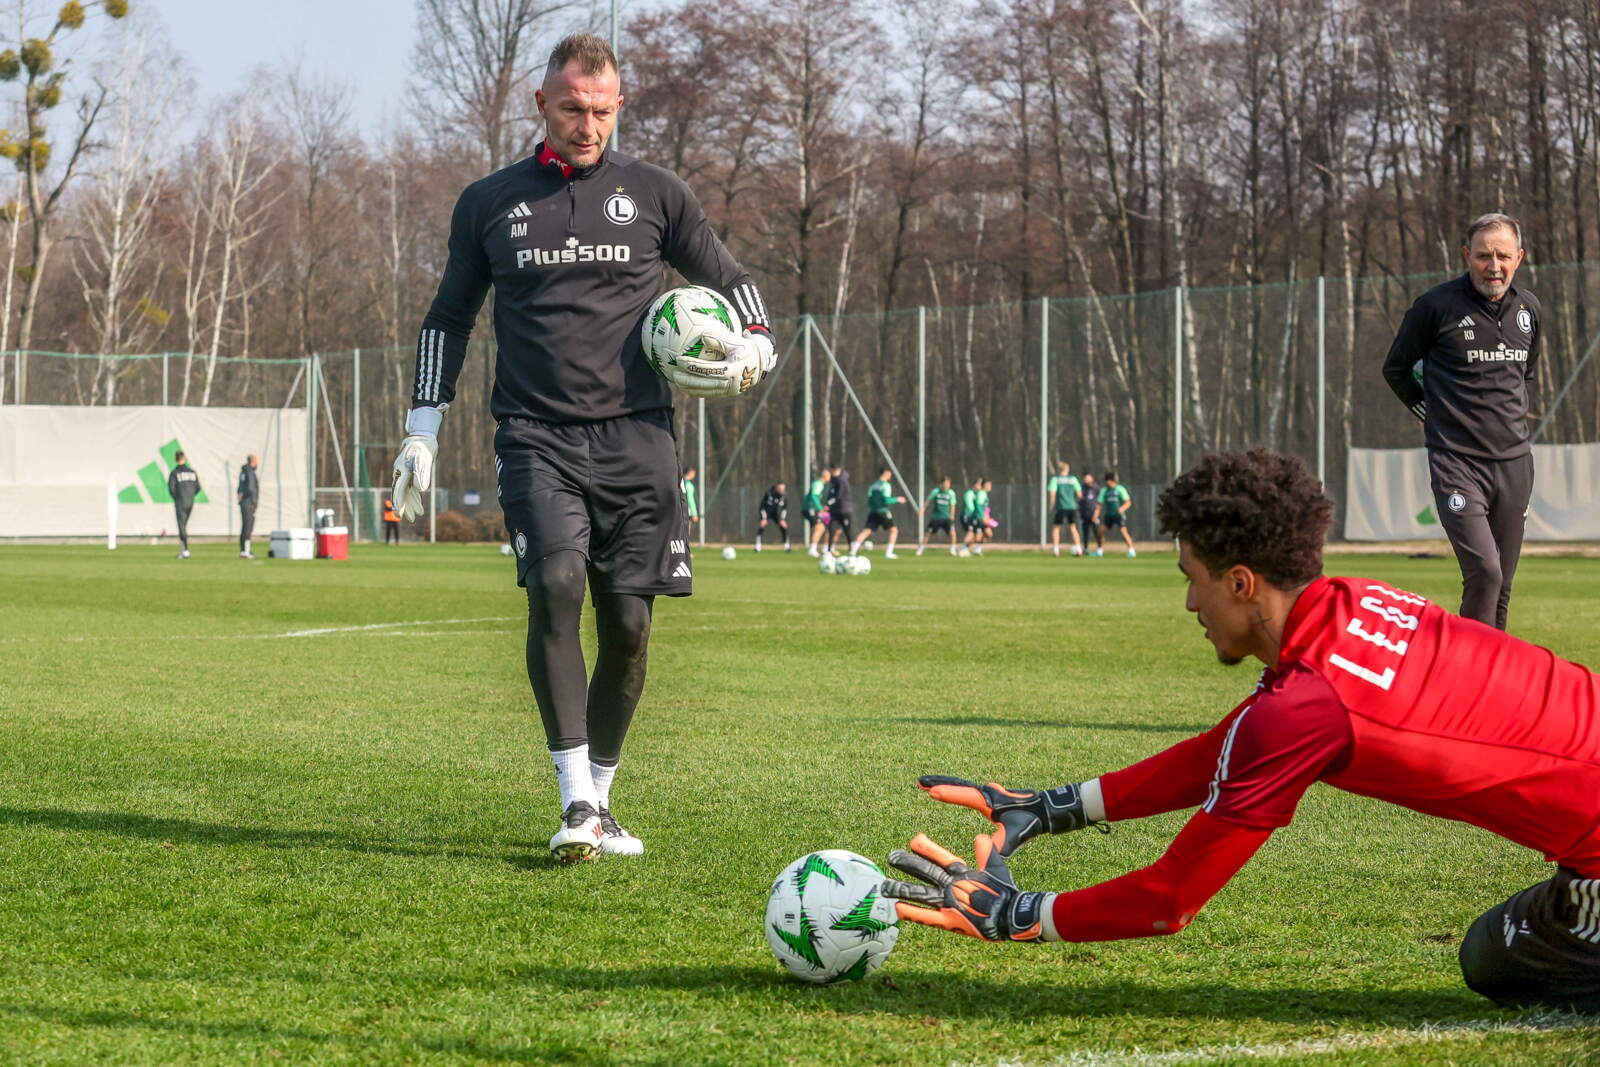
[
  {"x": 1366, "y": 687},
  {"x": 829, "y": 513}
]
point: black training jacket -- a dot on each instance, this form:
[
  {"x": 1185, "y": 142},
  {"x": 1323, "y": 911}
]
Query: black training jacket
[
  {"x": 1478, "y": 367},
  {"x": 184, "y": 485},
  {"x": 575, "y": 256}
]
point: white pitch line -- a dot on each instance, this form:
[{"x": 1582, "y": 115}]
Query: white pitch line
[
  {"x": 1432, "y": 1033},
  {"x": 323, "y": 630}
]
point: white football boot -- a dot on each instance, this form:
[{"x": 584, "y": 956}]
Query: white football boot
[
  {"x": 614, "y": 840},
  {"x": 580, "y": 835}
]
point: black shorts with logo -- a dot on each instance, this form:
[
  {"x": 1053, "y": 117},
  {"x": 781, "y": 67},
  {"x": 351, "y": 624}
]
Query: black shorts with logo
[
  {"x": 880, "y": 520},
  {"x": 608, "y": 489},
  {"x": 1111, "y": 518},
  {"x": 1064, "y": 515},
  {"x": 938, "y": 526},
  {"x": 976, "y": 525},
  {"x": 1542, "y": 946}
]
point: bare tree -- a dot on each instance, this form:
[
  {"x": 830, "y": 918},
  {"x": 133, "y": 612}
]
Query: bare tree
[{"x": 476, "y": 66}]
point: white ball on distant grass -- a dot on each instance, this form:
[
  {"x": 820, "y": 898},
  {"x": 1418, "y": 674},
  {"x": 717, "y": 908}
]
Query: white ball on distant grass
[
  {"x": 505, "y": 550},
  {"x": 964, "y": 552},
  {"x": 828, "y": 564},
  {"x": 859, "y": 565},
  {"x": 729, "y": 552},
  {"x": 866, "y": 546}
]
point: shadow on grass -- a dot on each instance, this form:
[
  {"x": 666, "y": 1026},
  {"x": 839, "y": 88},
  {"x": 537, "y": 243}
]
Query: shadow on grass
[
  {"x": 928, "y": 993},
  {"x": 1000, "y": 720},
  {"x": 189, "y": 832}
]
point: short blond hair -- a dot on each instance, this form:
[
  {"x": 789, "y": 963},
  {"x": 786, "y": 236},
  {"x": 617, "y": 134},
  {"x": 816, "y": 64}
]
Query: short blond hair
[{"x": 591, "y": 51}]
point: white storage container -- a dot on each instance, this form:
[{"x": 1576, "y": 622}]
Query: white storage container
[{"x": 296, "y": 543}]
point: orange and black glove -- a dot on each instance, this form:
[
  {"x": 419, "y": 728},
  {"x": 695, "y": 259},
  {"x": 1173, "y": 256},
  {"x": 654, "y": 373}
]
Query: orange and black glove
[
  {"x": 981, "y": 902},
  {"x": 1018, "y": 814}
]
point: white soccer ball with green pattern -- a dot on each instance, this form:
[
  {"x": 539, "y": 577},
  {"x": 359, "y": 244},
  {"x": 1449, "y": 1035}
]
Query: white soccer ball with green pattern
[
  {"x": 826, "y": 921},
  {"x": 692, "y": 321}
]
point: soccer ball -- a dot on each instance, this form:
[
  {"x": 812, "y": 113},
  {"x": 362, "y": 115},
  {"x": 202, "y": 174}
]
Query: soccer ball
[
  {"x": 505, "y": 550},
  {"x": 964, "y": 552},
  {"x": 866, "y": 546},
  {"x": 692, "y": 321},
  {"x": 729, "y": 552},
  {"x": 825, "y": 920},
  {"x": 858, "y": 565},
  {"x": 829, "y": 563}
]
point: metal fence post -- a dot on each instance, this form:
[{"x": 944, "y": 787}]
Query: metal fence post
[
  {"x": 311, "y": 436},
  {"x": 805, "y": 400},
  {"x": 1322, "y": 379},
  {"x": 1044, "y": 415},
  {"x": 355, "y": 444},
  {"x": 1177, "y": 381},
  {"x": 922, "y": 409},
  {"x": 164, "y": 358},
  {"x": 700, "y": 426}
]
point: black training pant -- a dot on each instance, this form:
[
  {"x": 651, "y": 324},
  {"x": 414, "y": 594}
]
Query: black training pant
[
  {"x": 574, "y": 708},
  {"x": 1482, "y": 505},
  {"x": 391, "y": 532},
  {"x": 1542, "y": 946},
  {"x": 183, "y": 511},
  {"x": 247, "y": 523}
]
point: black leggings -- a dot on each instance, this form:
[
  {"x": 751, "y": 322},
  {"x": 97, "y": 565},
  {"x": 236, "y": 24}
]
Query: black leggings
[{"x": 594, "y": 711}]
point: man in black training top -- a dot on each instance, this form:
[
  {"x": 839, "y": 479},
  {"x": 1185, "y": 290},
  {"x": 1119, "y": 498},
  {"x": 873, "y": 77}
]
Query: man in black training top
[
  {"x": 774, "y": 509},
  {"x": 841, "y": 507},
  {"x": 183, "y": 485},
  {"x": 1463, "y": 362},
  {"x": 249, "y": 494},
  {"x": 574, "y": 241}
]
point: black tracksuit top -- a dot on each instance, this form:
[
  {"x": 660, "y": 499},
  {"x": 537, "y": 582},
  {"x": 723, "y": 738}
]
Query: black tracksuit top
[
  {"x": 576, "y": 257},
  {"x": 1478, "y": 366}
]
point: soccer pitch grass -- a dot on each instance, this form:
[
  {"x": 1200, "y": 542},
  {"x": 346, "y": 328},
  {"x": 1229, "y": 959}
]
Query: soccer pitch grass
[{"x": 286, "y": 812}]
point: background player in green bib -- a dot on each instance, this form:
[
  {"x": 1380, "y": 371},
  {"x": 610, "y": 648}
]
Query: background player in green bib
[
  {"x": 812, "y": 511},
  {"x": 880, "y": 513},
  {"x": 1114, "y": 505},
  {"x": 940, "y": 508},
  {"x": 974, "y": 509},
  {"x": 687, "y": 485},
  {"x": 1061, "y": 496}
]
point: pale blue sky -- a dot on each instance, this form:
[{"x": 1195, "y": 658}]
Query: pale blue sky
[{"x": 365, "y": 44}]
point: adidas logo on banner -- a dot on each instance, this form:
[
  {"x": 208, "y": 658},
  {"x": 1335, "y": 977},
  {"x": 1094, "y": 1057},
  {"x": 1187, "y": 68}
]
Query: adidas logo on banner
[
  {"x": 682, "y": 570},
  {"x": 1466, "y": 323},
  {"x": 521, "y": 211}
]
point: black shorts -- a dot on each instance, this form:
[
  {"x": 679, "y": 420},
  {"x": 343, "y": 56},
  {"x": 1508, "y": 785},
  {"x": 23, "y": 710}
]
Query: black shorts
[
  {"x": 976, "y": 525},
  {"x": 880, "y": 520},
  {"x": 1063, "y": 515},
  {"x": 608, "y": 489},
  {"x": 1542, "y": 946},
  {"x": 840, "y": 521},
  {"x": 772, "y": 514},
  {"x": 1111, "y": 519},
  {"x": 810, "y": 516},
  {"x": 936, "y": 526}
]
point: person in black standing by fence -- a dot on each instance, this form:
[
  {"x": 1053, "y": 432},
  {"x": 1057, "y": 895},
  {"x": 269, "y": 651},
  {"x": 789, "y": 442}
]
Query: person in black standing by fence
[
  {"x": 249, "y": 493},
  {"x": 183, "y": 484},
  {"x": 1463, "y": 363}
]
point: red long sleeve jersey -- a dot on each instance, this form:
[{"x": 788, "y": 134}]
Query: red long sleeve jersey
[{"x": 1381, "y": 693}]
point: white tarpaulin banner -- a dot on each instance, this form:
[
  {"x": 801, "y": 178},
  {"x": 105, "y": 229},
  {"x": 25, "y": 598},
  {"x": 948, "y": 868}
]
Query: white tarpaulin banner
[
  {"x": 56, "y": 464},
  {"x": 1388, "y": 498}
]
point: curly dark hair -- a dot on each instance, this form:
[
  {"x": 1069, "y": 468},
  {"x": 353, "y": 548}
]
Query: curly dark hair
[{"x": 1257, "y": 508}]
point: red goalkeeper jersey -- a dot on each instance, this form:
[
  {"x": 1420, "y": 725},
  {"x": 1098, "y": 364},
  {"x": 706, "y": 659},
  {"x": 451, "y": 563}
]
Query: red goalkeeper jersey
[{"x": 1381, "y": 693}]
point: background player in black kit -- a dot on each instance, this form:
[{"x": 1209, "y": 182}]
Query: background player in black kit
[
  {"x": 183, "y": 485},
  {"x": 774, "y": 508},
  {"x": 575, "y": 240},
  {"x": 1475, "y": 341}
]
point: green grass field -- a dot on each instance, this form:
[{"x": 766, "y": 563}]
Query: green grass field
[{"x": 295, "y": 812}]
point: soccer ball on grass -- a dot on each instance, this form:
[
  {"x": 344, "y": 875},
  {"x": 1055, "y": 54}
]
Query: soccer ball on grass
[
  {"x": 729, "y": 552},
  {"x": 829, "y": 564},
  {"x": 858, "y": 565},
  {"x": 826, "y": 921}
]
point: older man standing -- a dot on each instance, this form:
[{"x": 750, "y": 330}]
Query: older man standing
[
  {"x": 574, "y": 241},
  {"x": 1463, "y": 362},
  {"x": 249, "y": 493}
]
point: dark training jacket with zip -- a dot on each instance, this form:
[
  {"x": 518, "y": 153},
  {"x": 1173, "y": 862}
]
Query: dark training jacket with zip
[
  {"x": 1478, "y": 365},
  {"x": 576, "y": 257}
]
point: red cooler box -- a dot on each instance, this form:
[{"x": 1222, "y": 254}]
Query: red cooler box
[{"x": 333, "y": 542}]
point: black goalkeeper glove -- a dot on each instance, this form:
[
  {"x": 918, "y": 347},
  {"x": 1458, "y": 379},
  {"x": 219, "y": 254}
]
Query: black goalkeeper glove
[
  {"x": 1018, "y": 814},
  {"x": 981, "y": 902}
]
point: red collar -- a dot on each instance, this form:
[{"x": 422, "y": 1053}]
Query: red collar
[
  {"x": 1293, "y": 641},
  {"x": 548, "y": 158}
]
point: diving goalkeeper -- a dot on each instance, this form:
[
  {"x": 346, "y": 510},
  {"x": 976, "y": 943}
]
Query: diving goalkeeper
[{"x": 1367, "y": 688}]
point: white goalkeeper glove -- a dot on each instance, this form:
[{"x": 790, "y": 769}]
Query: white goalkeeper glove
[
  {"x": 413, "y": 467},
  {"x": 761, "y": 341},
  {"x": 739, "y": 369}
]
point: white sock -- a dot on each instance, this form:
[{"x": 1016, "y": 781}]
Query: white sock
[
  {"x": 572, "y": 775},
  {"x": 602, "y": 776}
]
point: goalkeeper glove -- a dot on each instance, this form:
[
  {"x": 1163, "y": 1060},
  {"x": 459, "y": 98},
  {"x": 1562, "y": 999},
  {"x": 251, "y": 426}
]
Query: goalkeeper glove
[
  {"x": 737, "y": 371},
  {"x": 413, "y": 467},
  {"x": 1019, "y": 815},
  {"x": 982, "y": 902},
  {"x": 761, "y": 341}
]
